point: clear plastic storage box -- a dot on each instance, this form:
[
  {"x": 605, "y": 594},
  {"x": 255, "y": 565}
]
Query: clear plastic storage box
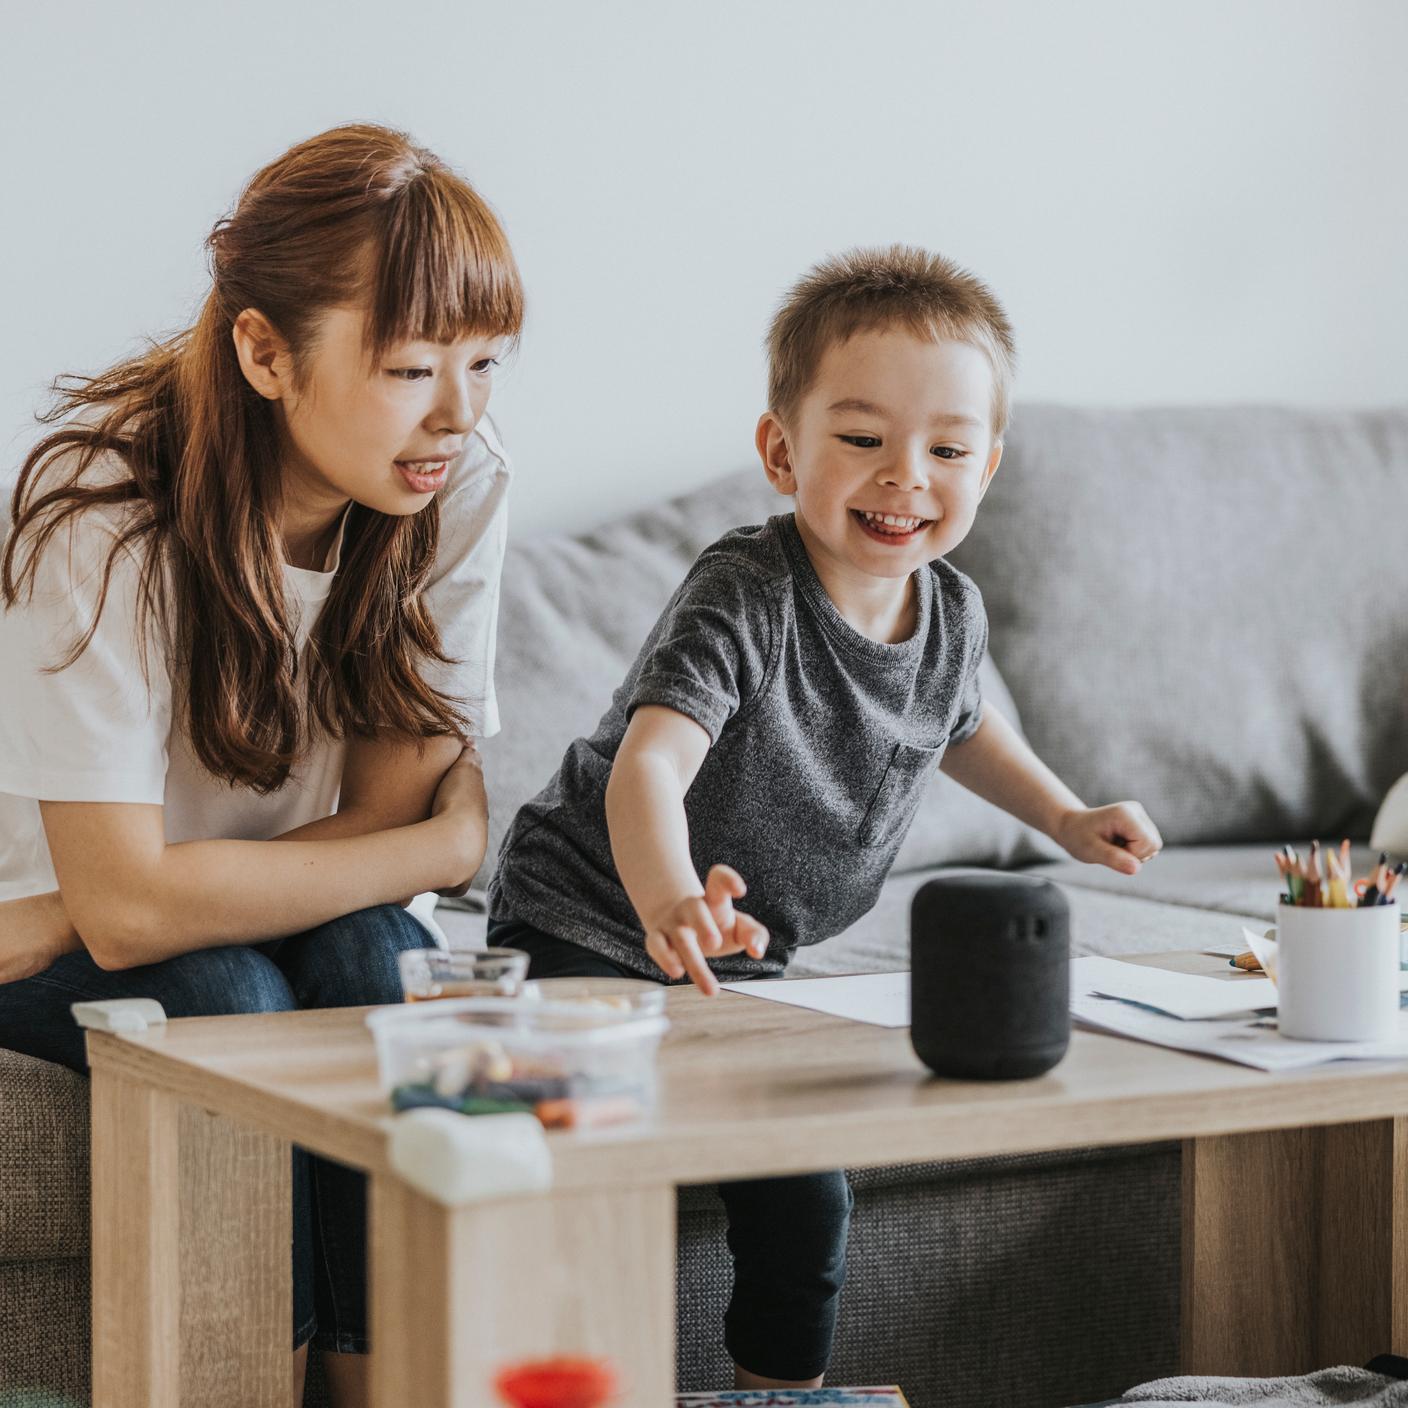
[{"x": 574, "y": 1064}]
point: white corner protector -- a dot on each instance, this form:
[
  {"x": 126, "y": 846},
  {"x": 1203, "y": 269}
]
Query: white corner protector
[
  {"x": 119, "y": 1014},
  {"x": 457, "y": 1159}
]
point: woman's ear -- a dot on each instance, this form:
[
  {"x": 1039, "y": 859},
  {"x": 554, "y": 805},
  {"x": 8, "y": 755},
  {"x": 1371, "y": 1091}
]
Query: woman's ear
[
  {"x": 994, "y": 460},
  {"x": 265, "y": 358},
  {"x": 776, "y": 453}
]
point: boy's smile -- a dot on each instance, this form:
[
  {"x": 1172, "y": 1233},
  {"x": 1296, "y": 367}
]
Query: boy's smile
[
  {"x": 895, "y": 530},
  {"x": 887, "y": 455}
]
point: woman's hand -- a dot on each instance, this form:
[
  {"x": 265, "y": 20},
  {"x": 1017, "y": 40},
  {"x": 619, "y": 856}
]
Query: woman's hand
[
  {"x": 460, "y": 800},
  {"x": 1120, "y": 836},
  {"x": 34, "y": 933}
]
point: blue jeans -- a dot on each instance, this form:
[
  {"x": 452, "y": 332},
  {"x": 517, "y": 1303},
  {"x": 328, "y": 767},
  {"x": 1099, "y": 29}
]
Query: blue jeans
[
  {"x": 348, "y": 962},
  {"x": 787, "y": 1236}
]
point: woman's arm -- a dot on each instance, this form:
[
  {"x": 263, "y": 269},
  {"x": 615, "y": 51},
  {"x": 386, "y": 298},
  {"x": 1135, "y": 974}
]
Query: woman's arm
[
  {"x": 34, "y": 932},
  {"x": 390, "y": 781},
  {"x": 134, "y": 899}
]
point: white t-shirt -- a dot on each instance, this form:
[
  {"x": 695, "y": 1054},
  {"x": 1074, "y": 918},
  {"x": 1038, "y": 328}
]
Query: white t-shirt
[{"x": 99, "y": 731}]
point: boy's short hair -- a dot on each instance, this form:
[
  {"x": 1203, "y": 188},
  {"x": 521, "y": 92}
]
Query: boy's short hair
[{"x": 864, "y": 289}]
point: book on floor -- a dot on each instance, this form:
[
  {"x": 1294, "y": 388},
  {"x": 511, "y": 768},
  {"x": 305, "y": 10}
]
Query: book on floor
[{"x": 889, "y": 1397}]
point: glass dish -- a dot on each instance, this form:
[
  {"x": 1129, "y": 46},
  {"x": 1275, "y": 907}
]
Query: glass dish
[{"x": 433, "y": 973}]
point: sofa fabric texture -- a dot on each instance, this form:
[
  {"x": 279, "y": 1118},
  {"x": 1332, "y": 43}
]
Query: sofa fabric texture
[
  {"x": 1199, "y": 609},
  {"x": 1192, "y": 608}
]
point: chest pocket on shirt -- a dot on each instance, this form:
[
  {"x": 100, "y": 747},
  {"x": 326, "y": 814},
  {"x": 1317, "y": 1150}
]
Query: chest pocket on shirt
[{"x": 899, "y": 794}]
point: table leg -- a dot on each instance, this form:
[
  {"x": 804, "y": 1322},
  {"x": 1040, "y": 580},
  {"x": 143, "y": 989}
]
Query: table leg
[
  {"x": 191, "y": 1255},
  {"x": 1295, "y": 1248},
  {"x": 457, "y": 1293}
]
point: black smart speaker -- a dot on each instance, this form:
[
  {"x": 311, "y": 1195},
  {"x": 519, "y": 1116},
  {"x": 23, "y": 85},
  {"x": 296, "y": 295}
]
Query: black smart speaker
[{"x": 990, "y": 986}]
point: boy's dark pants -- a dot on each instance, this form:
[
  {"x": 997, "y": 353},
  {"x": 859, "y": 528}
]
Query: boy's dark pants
[{"x": 787, "y": 1235}]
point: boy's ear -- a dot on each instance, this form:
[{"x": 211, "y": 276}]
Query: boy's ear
[
  {"x": 264, "y": 355},
  {"x": 994, "y": 460},
  {"x": 776, "y": 454}
]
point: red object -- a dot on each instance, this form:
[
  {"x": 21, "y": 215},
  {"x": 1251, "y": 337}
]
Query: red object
[{"x": 558, "y": 1383}]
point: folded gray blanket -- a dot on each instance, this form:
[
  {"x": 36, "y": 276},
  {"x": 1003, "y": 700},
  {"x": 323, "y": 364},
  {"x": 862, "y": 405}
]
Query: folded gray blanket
[{"x": 1318, "y": 1390}]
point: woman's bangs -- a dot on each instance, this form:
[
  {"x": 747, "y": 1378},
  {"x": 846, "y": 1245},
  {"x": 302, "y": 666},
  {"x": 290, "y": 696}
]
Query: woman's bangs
[{"x": 446, "y": 271}]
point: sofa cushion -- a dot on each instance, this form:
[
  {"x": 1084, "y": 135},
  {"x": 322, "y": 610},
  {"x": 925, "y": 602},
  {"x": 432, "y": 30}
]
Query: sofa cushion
[
  {"x": 573, "y": 613},
  {"x": 703, "y": 1197},
  {"x": 1238, "y": 880},
  {"x": 1197, "y": 608},
  {"x": 44, "y": 1332},
  {"x": 43, "y": 1160}
]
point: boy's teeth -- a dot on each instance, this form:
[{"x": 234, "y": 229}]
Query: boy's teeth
[{"x": 891, "y": 520}]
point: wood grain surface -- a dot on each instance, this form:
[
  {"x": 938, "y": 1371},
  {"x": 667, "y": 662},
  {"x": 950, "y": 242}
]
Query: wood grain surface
[{"x": 1295, "y": 1192}]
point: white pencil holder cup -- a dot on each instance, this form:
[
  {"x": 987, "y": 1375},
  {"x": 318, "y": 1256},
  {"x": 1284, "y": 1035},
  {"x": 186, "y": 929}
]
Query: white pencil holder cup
[{"x": 1337, "y": 973}]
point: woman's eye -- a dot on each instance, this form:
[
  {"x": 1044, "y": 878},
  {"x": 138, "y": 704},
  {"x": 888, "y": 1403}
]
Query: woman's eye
[
  {"x": 947, "y": 452},
  {"x": 862, "y": 442},
  {"x": 410, "y": 373},
  {"x": 484, "y": 363}
]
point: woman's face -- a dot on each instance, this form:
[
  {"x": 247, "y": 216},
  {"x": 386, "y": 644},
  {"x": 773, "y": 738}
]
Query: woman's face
[{"x": 384, "y": 434}]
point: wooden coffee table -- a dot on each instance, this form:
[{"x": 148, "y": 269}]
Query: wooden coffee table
[{"x": 1295, "y": 1195}]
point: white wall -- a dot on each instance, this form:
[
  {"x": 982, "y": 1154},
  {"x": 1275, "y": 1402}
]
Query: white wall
[{"x": 1185, "y": 201}]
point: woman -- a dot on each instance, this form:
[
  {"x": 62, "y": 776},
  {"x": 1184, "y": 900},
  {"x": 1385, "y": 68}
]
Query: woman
[{"x": 250, "y": 591}]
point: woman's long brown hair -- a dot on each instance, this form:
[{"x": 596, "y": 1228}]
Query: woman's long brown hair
[{"x": 357, "y": 215}]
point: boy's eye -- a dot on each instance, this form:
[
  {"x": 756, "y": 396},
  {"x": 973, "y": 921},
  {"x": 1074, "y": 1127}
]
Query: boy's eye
[
  {"x": 862, "y": 442},
  {"x": 484, "y": 363},
  {"x": 947, "y": 452}
]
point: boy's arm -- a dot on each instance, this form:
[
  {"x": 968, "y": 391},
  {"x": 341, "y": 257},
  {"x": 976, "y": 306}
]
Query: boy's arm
[
  {"x": 684, "y": 919},
  {"x": 999, "y": 765}
]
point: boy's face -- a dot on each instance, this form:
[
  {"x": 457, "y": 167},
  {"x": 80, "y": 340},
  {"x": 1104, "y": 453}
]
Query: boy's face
[{"x": 893, "y": 427}]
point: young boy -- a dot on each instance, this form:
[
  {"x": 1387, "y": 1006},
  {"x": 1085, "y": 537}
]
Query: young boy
[{"x": 786, "y": 712}]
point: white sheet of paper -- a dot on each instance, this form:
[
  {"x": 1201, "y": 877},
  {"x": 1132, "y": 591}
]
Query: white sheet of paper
[
  {"x": 1185, "y": 995},
  {"x": 1264, "y": 949},
  {"x": 881, "y": 999},
  {"x": 1248, "y": 1040}
]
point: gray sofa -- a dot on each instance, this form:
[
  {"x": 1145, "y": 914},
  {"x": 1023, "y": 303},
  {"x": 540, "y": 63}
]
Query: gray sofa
[{"x": 1196, "y": 608}]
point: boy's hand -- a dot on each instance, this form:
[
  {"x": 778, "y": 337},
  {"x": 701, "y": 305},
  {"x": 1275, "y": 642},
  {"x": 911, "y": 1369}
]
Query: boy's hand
[
  {"x": 700, "y": 927},
  {"x": 1120, "y": 836}
]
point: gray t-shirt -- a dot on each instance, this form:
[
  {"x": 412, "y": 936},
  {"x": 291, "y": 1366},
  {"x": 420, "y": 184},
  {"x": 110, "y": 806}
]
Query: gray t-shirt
[{"x": 823, "y": 743}]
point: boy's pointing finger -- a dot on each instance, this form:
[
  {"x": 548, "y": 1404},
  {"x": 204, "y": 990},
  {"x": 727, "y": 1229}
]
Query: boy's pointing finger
[{"x": 687, "y": 947}]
